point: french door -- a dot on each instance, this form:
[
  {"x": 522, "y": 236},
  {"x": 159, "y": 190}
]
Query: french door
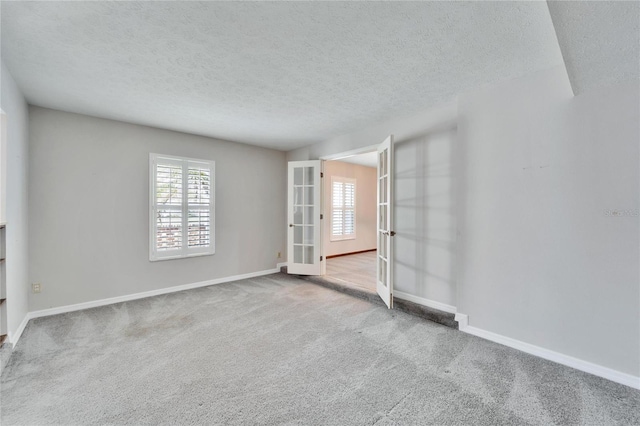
[
  {"x": 304, "y": 247},
  {"x": 384, "y": 264}
]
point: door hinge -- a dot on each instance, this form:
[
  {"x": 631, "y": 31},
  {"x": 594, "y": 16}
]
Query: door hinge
[
  {"x": 321, "y": 174},
  {"x": 320, "y": 258},
  {"x": 321, "y": 216}
]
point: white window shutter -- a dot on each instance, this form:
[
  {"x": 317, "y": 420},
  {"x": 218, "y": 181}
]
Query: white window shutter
[
  {"x": 343, "y": 205},
  {"x": 199, "y": 201},
  {"x": 182, "y": 207},
  {"x": 349, "y": 208}
]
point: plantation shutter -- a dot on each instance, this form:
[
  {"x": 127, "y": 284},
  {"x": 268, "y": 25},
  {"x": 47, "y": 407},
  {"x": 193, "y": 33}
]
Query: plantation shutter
[
  {"x": 337, "y": 218},
  {"x": 349, "y": 208},
  {"x": 343, "y": 205},
  {"x": 168, "y": 200},
  {"x": 199, "y": 205},
  {"x": 182, "y": 198}
]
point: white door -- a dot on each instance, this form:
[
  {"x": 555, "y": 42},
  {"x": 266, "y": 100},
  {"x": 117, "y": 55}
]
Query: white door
[
  {"x": 384, "y": 264},
  {"x": 304, "y": 247}
]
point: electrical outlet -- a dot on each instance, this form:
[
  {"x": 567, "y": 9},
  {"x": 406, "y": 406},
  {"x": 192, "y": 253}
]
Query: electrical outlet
[
  {"x": 37, "y": 288},
  {"x": 279, "y": 255}
]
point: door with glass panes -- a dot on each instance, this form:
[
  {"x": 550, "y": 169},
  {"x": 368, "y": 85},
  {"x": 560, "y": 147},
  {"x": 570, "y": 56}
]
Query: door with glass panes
[
  {"x": 304, "y": 247},
  {"x": 384, "y": 264}
]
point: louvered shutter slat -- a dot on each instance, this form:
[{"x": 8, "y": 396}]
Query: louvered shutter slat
[
  {"x": 199, "y": 195},
  {"x": 343, "y": 199},
  {"x": 168, "y": 193}
]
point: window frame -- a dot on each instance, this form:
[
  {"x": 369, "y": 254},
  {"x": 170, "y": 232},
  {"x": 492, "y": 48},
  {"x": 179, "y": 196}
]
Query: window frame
[
  {"x": 343, "y": 236},
  {"x": 184, "y": 251}
]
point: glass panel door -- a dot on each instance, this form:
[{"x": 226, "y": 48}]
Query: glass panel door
[
  {"x": 384, "y": 264},
  {"x": 304, "y": 256}
]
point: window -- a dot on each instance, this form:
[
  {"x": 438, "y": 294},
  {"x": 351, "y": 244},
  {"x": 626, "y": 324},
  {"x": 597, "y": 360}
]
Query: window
[
  {"x": 343, "y": 209},
  {"x": 182, "y": 198}
]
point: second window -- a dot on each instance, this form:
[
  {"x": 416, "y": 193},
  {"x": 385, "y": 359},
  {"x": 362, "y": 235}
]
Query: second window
[{"x": 343, "y": 208}]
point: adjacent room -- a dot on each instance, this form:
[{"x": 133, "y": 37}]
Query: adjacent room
[
  {"x": 320, "y": 213},
  {"x": 349, "y": 200}
]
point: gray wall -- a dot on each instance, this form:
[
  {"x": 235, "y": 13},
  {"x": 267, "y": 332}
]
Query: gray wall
[
  {"x": 89, "y": 211},
  {"x": 17, "y": 151},
  {"x": 425, "y": 216},
  {"x": 540, "y": 261}
]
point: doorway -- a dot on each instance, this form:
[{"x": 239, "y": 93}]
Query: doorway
[
  {"x": 349, "y": 200},
  {"x": 355, "y": 270},
  {"x": 307, "y": 200}
]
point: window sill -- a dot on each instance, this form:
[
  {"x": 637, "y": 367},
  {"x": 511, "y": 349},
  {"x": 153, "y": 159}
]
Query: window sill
[
  {"x": 337, "y": 239},
  {"x": 159, "y": 259}
]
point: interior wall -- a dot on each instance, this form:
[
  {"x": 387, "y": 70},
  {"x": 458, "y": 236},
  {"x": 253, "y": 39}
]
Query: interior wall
[
  {"x": 425, "y": 216},
  {"x": 89, "y": 195},
  {"x": 541, "y": 260},
  {"x": 365, "y": 207},
  {"x": 17, "y": 166}
]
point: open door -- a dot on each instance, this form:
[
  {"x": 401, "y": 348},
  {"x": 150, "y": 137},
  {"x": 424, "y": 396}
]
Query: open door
[
  {"x": 384, "y": 264},
  {"x": 304, "y": 247}
]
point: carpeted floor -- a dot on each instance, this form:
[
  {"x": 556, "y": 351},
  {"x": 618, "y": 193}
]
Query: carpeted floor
[{"x": 279, "y": 350}]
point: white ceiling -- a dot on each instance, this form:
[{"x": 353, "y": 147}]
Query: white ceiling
[
  {"x": 276, "y": 74},
  {"x": 599, "y": 40},
  {"x": 369, "y": 159}
]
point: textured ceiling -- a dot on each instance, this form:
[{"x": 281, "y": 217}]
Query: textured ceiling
[
  {"x": 600, "y": 41},
  {"x": 277, "y": 74}
]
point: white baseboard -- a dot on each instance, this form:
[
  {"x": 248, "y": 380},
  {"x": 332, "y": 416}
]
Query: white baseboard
[
  {"x": 569, "y": 361},
  {"x": 463, "y": 320},
  {"x": 13, "y": 338},
  {"x": 129, "y": 297},
  {"x": 425, "y": 302},
  {"x": 280, "y": 265}
]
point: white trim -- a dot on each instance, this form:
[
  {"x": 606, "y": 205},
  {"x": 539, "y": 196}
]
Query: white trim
[
  {"x": 425, "y": 302},
  {"x": 569, "y": 361},
  {"x": 350, "y": 153},
  {"x": 13, "y": 338},
  {"x": 462, "y": 319},
  {"x": 135, "y": 296},
  {"x": 280, "y": 265}
]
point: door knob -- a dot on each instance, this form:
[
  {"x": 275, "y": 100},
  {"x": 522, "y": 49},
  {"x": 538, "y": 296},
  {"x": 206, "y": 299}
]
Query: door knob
[{"x": 291, "y": 225}]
